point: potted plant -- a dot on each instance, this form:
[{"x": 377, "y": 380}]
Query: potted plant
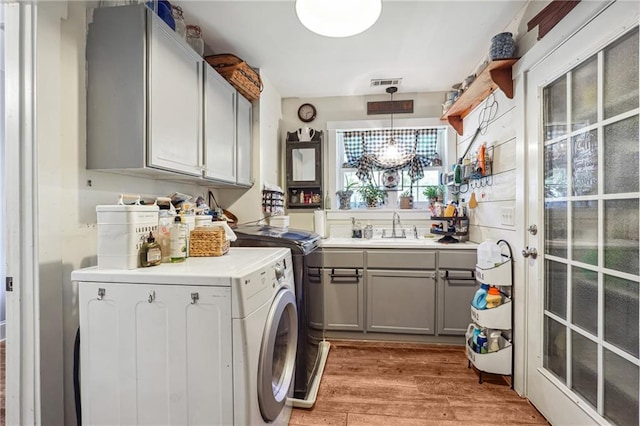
[
  {"x": 371, "y": 194},
  {"x": 433, "y": 192},
  {"x": 344, "y": 195},
  {"x": 406, "y": 200}
]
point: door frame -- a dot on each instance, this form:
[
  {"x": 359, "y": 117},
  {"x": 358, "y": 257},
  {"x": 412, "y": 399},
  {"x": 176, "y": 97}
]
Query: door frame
[
  {"x": 606, "y": 23},
  {"x": 20, "y": 235}
]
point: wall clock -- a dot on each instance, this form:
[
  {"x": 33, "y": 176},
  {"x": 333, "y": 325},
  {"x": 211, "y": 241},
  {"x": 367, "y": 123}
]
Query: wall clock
[{"x": 307, "y": 113}]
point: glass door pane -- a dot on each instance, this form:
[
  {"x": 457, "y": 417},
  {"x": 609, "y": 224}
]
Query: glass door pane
[{"x": 592, "y": 230}]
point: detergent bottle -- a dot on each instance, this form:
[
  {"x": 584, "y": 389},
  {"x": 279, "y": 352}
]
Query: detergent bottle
[{"x": 480, "y": 298}]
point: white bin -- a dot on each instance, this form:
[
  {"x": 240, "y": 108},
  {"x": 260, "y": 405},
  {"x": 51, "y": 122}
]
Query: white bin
[{"x": 122, "y": 229}]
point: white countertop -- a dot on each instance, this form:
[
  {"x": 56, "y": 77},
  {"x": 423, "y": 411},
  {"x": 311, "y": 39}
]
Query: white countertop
[{"x": 400, "y": 243}]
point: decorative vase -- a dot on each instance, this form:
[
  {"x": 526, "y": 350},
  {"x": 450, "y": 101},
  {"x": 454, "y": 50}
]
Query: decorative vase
[
  {"x": 502, "y": 46},
  {"x": 344, "y": 198}
]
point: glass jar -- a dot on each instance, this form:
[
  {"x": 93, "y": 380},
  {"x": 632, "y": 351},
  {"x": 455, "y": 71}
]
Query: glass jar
[
  {"x": 194, "y": 38},
  {"x": 178, "y": 17}
]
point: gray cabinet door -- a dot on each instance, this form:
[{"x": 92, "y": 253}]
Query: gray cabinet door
[
  {"x": 244, "y": 140},
  {"x": 401, "y": 301},
  {"x": 219, "y": 127},
  {"x": 314, "y": 298},
  {"x": 175, "y": 102},
  {"x": 343, "y": 299},
  {"x": 456, "y": 289}
]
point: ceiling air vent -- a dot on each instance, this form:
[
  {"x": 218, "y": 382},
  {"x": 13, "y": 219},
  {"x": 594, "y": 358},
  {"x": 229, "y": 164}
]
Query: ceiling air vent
[{"x": 385, "y": 82}]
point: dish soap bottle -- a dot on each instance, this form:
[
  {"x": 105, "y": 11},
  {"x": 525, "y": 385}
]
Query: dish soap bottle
[
  {"x": 178, "y": 241},
  {"x": 150, "y": 253}
]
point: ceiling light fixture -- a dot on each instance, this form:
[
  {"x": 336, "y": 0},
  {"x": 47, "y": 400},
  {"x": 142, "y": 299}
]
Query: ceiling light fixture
[{"x": 338, "y": 18}]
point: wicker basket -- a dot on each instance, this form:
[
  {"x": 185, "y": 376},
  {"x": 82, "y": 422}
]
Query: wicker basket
[
  {"x": 238, "y": 73},
  {"x": 208, "y": 241}
]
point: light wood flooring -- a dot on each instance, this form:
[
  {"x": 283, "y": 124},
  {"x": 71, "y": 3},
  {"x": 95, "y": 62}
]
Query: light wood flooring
[{"x": 367, "y": 383}]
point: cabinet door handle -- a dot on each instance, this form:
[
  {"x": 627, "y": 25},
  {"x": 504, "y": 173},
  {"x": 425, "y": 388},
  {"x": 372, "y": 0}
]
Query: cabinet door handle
[
  {"x": 194, "y": 298},
  {"x": 449, "y": 277},
  {"x": 101, "y": 293},
  {"x": 355, "y": 276},
  {"x": 315, "y": 275},
  {"x": 152, "y": 296}
]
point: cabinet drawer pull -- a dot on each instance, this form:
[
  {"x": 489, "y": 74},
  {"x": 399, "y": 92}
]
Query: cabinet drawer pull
[
  {"x": 316, "y": 274},
  {"x": 355, "y": 276},
  {"x": 449, "y": 277}
]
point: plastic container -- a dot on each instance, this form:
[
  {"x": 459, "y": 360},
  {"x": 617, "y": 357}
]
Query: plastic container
[
  {"x": 480, "y": 298},
  {"x": 489, "y": 255},
  {"x": 163, "y": 236},
  {"x": 493, "y": 298},
  {"x": 493, "y": 341},
  {"x": 481, "y": 343},
  {"x": 179, "y": 242}
]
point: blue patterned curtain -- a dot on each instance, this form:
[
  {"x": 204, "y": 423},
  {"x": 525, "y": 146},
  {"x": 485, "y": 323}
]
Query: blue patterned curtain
[{"x": 365, "y": 150}]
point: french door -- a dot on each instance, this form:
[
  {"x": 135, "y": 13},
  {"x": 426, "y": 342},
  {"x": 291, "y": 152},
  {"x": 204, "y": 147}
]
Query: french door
[{"x": 583, "y": 288}]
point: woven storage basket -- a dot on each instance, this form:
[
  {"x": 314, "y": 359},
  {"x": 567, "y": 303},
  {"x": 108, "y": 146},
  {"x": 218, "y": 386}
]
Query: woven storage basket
[
  {"x": 208, "y": 241},
  {"x": 238, "y": 73}
]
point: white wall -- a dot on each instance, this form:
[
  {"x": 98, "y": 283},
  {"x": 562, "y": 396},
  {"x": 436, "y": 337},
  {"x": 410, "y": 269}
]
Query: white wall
[{"x": 67, "y": 231}]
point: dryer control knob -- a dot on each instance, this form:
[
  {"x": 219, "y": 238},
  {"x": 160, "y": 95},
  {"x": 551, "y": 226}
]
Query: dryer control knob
[{"x": 279, "y": 270}]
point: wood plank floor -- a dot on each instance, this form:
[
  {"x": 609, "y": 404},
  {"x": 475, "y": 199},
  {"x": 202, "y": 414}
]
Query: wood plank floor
[{"x": 369, "y": 383}]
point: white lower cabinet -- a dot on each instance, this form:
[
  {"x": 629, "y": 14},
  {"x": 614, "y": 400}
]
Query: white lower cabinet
[
  {"x": 401, "y": 301},
  {"x": 150, "y": 354}
]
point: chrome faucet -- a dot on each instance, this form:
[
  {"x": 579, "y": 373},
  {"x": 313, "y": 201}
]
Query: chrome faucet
[{"x": 396, "y": 222}]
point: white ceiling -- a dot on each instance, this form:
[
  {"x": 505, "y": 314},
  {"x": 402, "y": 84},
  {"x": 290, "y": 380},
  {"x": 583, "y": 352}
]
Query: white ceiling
[{"x": 431, "y": 45}]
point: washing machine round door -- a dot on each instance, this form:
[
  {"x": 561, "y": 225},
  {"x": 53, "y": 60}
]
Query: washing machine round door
[{"x": 277, "y": 355}]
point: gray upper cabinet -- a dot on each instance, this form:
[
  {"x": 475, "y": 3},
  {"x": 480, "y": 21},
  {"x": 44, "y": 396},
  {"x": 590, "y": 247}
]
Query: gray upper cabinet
[
  {"x": 244, "y": 140},
  {"x": 155, "y": 108},
  {"x": 175, "y": 102},
  {"x": 144, "y": 95},
  {"x": 220, "y": 130}
]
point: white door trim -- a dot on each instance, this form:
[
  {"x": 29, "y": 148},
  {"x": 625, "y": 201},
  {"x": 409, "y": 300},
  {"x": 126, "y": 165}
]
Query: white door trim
[{"x": 22, "y": 350}]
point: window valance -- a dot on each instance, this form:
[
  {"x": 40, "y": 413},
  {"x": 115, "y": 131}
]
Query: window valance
[{"x": 365, "y": 150}]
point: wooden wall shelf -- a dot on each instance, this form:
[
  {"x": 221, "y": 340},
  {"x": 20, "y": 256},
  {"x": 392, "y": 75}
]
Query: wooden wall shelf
[{"x": 496, "y": 75}]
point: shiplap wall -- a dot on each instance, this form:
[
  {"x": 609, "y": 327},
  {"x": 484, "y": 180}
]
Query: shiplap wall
[{"x": 485, "y": 220}]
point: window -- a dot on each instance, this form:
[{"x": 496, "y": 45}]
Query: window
[{"x": 429, "y": 142}]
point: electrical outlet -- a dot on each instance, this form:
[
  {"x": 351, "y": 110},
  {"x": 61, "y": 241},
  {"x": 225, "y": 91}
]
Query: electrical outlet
[{"x": 507, "y": 216}]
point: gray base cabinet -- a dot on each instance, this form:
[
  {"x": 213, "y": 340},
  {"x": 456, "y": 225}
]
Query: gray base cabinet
[
  {"x": 403, "y": 292},
  {"x": 343, "y": 299},
  {"x": 401, "y": 301},
  {"x": 456, "y": 287}
]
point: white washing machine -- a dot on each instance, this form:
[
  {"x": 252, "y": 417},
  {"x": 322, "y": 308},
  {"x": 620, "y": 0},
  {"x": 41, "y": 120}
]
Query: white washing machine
[
  {"x": 265, "y": 334},
  {"x": 211, "y": 341}
]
